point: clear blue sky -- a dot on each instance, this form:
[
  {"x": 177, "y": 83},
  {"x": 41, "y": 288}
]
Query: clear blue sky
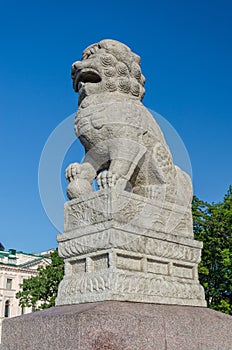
[{"x": 186, "y": 50}]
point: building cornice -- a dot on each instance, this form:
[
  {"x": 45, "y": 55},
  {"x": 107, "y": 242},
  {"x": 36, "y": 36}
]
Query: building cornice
[{"x": 18, "y": 269}]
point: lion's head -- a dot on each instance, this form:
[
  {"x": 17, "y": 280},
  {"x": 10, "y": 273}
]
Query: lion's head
[{"x": 108, "y": 66}]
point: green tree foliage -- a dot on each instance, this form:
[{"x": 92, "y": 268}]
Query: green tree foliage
[
  {"x": 40, "y": 291},
  {"x": 213, "y": 225}
]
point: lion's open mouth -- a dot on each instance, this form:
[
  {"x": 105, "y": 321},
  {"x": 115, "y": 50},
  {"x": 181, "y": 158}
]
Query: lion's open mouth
[{"x": 86, "y": 76}]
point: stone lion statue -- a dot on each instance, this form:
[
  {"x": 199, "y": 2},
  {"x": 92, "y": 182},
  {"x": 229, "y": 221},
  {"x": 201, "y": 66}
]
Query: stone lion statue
[{"x": 124, "y": 145}]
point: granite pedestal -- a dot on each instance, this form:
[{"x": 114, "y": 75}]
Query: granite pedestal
[{"x": 117, "y": 325}]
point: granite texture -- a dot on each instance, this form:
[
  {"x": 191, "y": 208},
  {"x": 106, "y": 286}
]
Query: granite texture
[
  {"x": 116, "y": 325},
  {"x": 124, "y": 146},
  {"x": 114, "y": 249},
  {"x": 129, "y": 237}
]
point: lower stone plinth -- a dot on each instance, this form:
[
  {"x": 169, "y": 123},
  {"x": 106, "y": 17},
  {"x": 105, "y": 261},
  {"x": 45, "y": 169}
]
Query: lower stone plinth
[{"x": 116, "y": 325}]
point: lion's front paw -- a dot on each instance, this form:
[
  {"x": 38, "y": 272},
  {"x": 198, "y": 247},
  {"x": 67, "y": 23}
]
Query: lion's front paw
[
  {"x": 106, "y": 179},
  {"x": 72, "y": 171}
]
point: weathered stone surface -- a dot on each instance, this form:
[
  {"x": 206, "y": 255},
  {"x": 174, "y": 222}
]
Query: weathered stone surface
[
  {"x": 128, "y": 209},
  {"x": 132, "y": 239},
  {"x": 119, "y": 326},
  {"x": 114, "y": 249},
  {"x": 124, "y": 145}
]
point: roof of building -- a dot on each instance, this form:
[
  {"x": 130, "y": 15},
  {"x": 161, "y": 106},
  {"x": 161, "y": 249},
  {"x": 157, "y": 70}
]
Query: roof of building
[{"x": 19, "y": 258}]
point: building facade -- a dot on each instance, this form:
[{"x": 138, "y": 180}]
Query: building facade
[{"x": 15, "y": 267}]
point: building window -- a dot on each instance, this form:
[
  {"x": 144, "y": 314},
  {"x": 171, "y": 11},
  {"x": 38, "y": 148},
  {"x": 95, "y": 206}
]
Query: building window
[
  {"x": 7, "y": 308},
  {"x": 9, "y": 283}
]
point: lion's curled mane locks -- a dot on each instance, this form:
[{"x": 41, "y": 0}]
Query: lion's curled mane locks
[{"x": 124, "y": 145}]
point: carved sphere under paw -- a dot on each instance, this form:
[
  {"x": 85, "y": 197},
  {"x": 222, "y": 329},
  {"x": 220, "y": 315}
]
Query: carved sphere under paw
[{"x": 77, "y": 188}]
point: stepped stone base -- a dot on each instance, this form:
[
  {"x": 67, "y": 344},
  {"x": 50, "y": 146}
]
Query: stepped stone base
[
  {"x": 117, "y": 325},
  {"x": 115, "y": 247}
]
